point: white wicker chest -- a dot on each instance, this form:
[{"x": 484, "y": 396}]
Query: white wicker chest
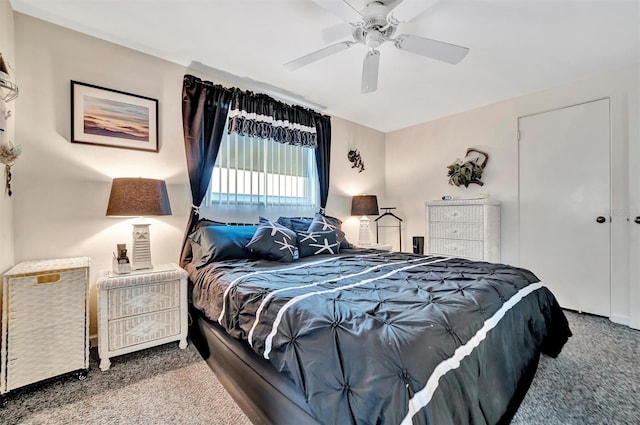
[
  {"x": 45, "y": 321},
  {"x": 141, "y": 309},
  {"x": 466, "y": 228}
]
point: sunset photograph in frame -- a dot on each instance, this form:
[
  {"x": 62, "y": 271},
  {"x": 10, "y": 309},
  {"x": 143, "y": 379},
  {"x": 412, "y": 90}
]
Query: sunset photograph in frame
[{"x": 107, "y": 117}]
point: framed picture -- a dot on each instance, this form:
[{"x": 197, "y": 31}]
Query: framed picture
[{"x": 101, "y": 116}]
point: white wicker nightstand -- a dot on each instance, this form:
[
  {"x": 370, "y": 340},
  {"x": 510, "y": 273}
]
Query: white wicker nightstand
[
  {"x": 141, "y": 309},
  {"x": 45, "y": 321}
]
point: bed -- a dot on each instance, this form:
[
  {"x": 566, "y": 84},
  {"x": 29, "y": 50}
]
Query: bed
[{"x": 369, "y": 337}]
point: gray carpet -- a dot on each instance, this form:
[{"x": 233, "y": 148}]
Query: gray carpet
[
  {"x": 595, "y": 380},
  {"x": 160, "y": 385}
]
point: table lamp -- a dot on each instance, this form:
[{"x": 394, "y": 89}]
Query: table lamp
[
  {"x": 140, "y": 197},
  {"x": 364, "y": 205}
]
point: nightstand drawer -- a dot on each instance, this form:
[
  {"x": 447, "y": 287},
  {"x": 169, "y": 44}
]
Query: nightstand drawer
[
  {"x": 457, "y": 248},
  {"x": 133, "y": 300},
  {"x": 470, "y": 231},
  {"x": 141, "y": 329}
]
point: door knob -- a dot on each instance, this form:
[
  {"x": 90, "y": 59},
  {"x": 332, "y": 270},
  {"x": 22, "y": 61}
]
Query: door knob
[
  {"x": 601, "y": 219},
  {"x": 637, "y": 220}
]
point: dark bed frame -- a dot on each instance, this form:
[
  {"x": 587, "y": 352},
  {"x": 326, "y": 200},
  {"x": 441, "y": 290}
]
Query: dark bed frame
[{"x": 265, "y": 395}]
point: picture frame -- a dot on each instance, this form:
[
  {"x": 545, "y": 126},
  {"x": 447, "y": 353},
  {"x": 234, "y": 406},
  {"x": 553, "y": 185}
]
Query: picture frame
[{"x": 107, "y": 117}]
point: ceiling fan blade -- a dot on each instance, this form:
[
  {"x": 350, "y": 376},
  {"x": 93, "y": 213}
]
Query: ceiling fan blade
[
  {"x": 433, "y": 49},
  {"x": 370, "y": 72},
  {"x": 406, "y": 10},
  {"x": 342, "y": 9},
  {"x": 318, "y": 54}
]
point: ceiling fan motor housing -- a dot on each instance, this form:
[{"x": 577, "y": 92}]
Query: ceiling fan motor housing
[{"x": 375, "y": 29}]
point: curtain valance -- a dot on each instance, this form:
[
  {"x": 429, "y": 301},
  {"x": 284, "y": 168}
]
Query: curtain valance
[{"x": 259, "y": 115}]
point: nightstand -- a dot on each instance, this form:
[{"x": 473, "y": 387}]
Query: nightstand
[
  {"x": 141, "y": 309},
  {"x": 380, "y": 246}
]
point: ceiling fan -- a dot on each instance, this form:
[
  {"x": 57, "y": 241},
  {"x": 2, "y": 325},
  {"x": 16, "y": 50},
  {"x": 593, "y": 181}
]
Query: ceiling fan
[{"x": 377, "y": 24}]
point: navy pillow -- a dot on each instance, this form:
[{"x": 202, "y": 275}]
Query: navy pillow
[
  {"x": 217, "y": 243},
  {"x": 297, "y": 224},
  {"x": 317, "y": 243},
  {"x": 323, "y": 223},
  {"x": 273, "y": 241}
]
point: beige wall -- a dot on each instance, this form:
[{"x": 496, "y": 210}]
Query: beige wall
[
  {"x": 61, "y": 188},
  {"x": 6, "y": 202},
  {"x": 417, "y": 158}
]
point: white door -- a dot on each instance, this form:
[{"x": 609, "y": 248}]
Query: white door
[{"x": 565, "y": 203}]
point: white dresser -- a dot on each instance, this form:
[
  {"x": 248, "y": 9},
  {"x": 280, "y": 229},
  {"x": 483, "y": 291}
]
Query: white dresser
[
  {"x": 45, "y": 321},
  {"x": 141, "y": 309},
  {"x": 466, "y": 228}
]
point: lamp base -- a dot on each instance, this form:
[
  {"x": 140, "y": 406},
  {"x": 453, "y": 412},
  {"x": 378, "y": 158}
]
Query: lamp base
[
  {"x": 141, "y": 251},
  {"x": 364, "y": 237}
]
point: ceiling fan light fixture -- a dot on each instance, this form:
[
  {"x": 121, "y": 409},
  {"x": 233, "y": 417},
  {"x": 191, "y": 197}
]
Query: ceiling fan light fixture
[{"x": 374, "y": 39}]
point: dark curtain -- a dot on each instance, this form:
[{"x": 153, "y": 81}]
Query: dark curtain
[
  {"x": 204, "y": 112},
  {"x": 323, "y": 157},
  {"x": 205, "y": 107}
]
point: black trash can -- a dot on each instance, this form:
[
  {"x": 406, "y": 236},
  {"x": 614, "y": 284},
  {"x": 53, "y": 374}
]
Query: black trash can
[{"x": 418, "y": 244}]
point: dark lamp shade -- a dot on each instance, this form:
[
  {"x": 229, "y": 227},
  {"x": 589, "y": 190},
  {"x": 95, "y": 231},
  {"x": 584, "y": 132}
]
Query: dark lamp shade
[
  {"x": 136, "y": 197},
  {"x": 364, "y": 205}
]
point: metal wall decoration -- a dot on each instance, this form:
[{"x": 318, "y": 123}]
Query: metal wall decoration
[
  {"x": 355, "y": 159},
  {"x": 468, "y": 170},
  {"x": 8, "y": 151}
]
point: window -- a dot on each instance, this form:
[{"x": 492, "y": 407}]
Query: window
[{"x": 253, "y": 171}]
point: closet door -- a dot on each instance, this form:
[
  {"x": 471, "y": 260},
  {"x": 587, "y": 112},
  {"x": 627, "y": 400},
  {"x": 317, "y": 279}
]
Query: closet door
[{"x": 565, "y": 203}]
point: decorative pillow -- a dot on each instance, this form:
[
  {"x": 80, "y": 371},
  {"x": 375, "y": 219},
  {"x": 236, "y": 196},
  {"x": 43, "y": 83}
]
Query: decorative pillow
[
  {"x": 322, "y": 223},
  {"x": 219, "y": 242},
  {"x": 317, "y": 243},
  {"x": 297, "y": 224},
  {"x": 187, "y": 251},
  {"x": 273, "y": 241}
]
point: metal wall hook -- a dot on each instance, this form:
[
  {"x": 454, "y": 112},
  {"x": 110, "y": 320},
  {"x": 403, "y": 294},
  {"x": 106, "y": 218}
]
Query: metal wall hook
[{"x": 8, "y": 176}]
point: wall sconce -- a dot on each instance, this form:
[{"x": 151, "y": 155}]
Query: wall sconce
[
  {"x": 131, "y": 197},
  {"x": 364, "y": 205}
]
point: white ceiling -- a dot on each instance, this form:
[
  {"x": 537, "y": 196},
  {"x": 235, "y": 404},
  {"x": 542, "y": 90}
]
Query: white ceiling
[{"x": 516, "y": 47}]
